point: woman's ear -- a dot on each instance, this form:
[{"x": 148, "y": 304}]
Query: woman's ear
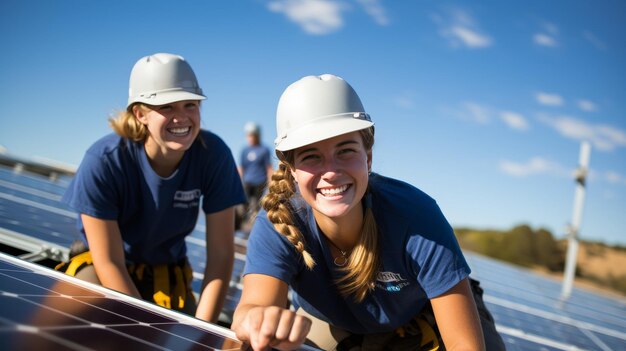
[
  {"x": 369, "y": 161},
  {"x": 293, "y": 175},
  {"x": 140, "y": 114}
]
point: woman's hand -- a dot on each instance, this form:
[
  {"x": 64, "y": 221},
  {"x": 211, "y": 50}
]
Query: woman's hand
[
  {"x": 261, "y": 318},
  {"x": 273, "y": 327}
]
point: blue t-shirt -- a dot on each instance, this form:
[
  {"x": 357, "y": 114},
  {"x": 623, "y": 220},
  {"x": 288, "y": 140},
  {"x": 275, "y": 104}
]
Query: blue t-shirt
[
  {"x": 420, "y": 259},
  {"x": 254, "y": 162},
  {"x": 116, "y": 182}
]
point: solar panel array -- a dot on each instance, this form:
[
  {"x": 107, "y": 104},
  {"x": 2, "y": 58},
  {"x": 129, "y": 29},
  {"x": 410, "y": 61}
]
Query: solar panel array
[
  {"x": 46, "y": 310},
  {"x": 30, "y": 207},
  {"x": 526, "y": 306},
  {"x": 530, "y": 315}
]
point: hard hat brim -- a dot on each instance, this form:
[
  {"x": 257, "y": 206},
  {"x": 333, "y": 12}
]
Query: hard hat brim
[
  {"x": 320, "y": 130},
  {"x": 167, "y": 97}
]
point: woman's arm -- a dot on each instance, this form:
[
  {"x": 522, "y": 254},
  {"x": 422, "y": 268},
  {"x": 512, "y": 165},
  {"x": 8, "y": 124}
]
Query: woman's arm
[
  {"x": 261, "y": 318},
  {"x": 107, "y": 251},
  {"x": 457, "y": 318},
  {"x": 220, "y": 252}
]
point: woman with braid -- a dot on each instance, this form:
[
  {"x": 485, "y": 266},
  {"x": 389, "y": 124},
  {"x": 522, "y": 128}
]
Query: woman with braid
[{"x": 371, "y": 261}]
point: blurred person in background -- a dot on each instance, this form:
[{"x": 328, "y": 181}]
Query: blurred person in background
[{"x": 255, "y": 168}]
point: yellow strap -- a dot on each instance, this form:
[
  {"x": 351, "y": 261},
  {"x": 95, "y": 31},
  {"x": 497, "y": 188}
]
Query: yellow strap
[
  {"x": 430, "y": 342},
  {"x": 179, "y": 288},
  {"x": 139, "y": 269},
  {"x": 188, "y": 272},
  {"x": 161, "y": 273},
  {"x": 77, "y": 262},
  {"x": 162, "y": 286},
  {"x": 59, "y": 267}
]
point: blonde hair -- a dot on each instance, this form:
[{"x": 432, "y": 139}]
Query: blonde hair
[
  {"x": 126, "y": 125},
  {"x": 363, "y": 262}
]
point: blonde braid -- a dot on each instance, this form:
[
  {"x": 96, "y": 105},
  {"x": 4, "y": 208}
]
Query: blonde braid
[{"x": 280, "y": 190}]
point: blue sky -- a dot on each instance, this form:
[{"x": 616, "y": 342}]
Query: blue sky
[{"x": 481, "y": 104}]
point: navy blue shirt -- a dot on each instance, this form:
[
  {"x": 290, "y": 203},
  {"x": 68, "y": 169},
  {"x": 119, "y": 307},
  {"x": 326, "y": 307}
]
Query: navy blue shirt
[
  {"x": 420, "y": 259},
  {"x": 254, "y": 162},
  {"x": 116, "y": 182}
]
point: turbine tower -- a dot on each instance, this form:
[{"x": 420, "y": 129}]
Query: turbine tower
[{"x": 574, "y": 228}]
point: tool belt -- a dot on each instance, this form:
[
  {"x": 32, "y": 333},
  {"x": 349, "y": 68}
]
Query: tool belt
[
  {"x": 167, "y": 285},
  {"x": 421, "y": 334}
]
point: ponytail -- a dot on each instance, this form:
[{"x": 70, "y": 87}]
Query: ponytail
[{"x": 126, "y": 125}]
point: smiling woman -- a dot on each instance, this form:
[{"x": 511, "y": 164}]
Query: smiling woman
[
  {"x": 371, "y": 261},
  {"x": 139, "y": 191}
]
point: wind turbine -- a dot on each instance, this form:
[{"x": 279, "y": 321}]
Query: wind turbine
[{"x": 574, "y": 228}]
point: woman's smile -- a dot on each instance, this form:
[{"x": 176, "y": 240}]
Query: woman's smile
[
  {"x": 332, "y": 174},
  {"x": 179, "y": 131},
  {"x": 334, "y": 191}
]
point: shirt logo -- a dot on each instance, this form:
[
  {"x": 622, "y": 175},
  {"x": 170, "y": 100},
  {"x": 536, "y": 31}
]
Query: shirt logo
[
  {"x": 251, "y": 156},
  {"x": 390, "y": 281},
  {"x": 187, "y": 198},
  {"x": 389, "y": 277}
]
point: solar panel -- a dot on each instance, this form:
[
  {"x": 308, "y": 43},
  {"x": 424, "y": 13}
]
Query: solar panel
[
  {"x": 526, "y": 306},
  {"x": 530, "y": 315},
  {"x": 43, "y": 309},
  {"x": 33, "y": 219}
]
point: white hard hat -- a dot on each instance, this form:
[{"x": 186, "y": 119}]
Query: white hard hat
[
  {"x": 317, "y": 108},
  {"x": 252, "y": 128},
  {"x": 162, "y": 79}
]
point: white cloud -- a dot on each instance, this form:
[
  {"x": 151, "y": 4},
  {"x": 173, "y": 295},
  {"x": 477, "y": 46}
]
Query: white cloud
[
  {"x": 469, "y": 37},
  {"x": 595, "y": 41},
  {"x": 483, "y": 114},
  {"x": 615, "y": 178},
  {"x": 535, "y": 166},
  {"x": 549, "y": 99},
  {"x": 587, "y": 105},
  {"x": 603, "y": 137},
  {"x": 313, "y": 16},
  {"x": 460, "y": 29},
  {"x": 547, "y": 36},
  {"x": 475, "y": 112},
  {"x": 321, "y": 17},
  {"x": 544, "y": 40},
  {"x": 514, "y": 120},
  {"x": 375, "y": 10}
]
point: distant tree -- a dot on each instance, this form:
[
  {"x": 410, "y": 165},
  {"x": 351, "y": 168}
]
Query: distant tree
[
  {"x": 547, "y": 251},
  {"x": 520, "y": 245}
]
